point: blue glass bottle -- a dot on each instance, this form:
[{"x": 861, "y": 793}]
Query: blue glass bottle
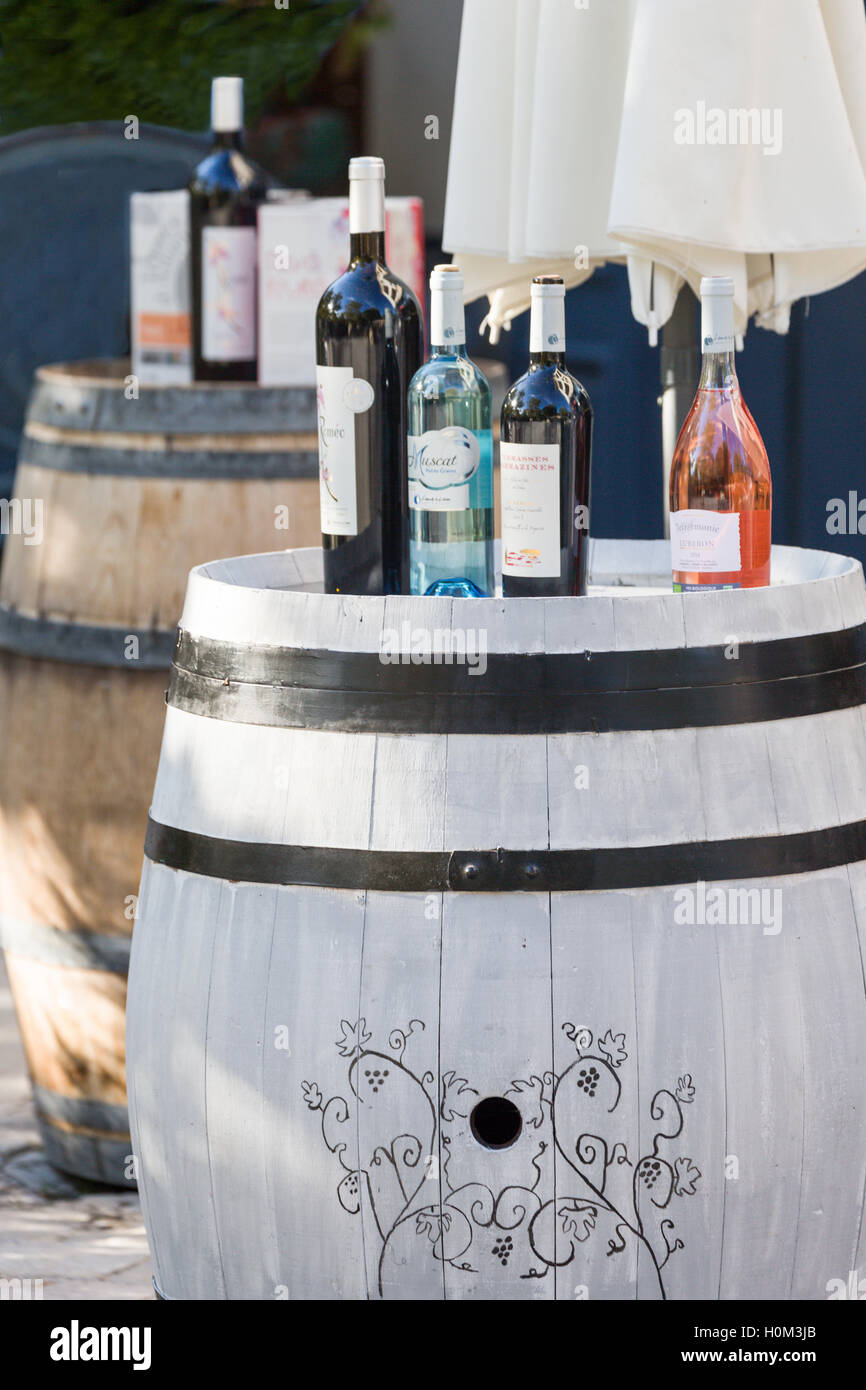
[{"x": 450, "y": 457}]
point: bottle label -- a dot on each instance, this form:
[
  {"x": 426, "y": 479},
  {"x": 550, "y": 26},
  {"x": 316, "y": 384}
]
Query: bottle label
[
  {"x": 703, "y": 588},
  {"x": 441, "y": 465},
  {"x": 717, "y": 323},
  {"x": 340, "y": 396},
  {"x": 530, "y": 510},
  {"x": 228, "y": 294},
  {"x": 705, "y": 542}
]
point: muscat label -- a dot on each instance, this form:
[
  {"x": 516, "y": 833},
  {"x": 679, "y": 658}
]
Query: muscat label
[
  {"x": 228, "y": 311},
  {"x": 441, "y": 464},
  {"x": 530, "y": 510},
  {"x": 338, "y": 396}
]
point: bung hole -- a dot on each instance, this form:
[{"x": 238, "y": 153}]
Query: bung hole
[{"x": 496, "y": 1122}]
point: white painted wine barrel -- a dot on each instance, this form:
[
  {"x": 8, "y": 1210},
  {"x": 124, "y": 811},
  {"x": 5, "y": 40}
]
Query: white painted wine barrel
[
  {"x": 117, "y": 494},
  {"x": 534, "y": 975}
]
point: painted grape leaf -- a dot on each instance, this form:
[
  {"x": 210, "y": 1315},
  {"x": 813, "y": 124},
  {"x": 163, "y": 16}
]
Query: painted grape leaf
[
  {"x": 312, "y": 1094},
  {"x": 454, "y": 1086},
  {"x": 685, "y": 1091},
  {"x": 612, "y": 1046},
  {"x": 433, "y": 1225},
  {"x": 532, "y": 1093},
  {"x": 686, "y": 1177},
  {"x": 355, "y": 1037},
  {"x": 578, "y": 1219}
]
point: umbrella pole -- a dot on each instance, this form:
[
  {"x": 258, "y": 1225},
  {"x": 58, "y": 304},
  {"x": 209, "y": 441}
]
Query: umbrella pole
[{"x": 680, "y": 368}]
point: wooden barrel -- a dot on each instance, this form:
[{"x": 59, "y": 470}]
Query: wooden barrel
[
  {"x": 119, "y": 490},
  {"x": 533, "y": 974}
]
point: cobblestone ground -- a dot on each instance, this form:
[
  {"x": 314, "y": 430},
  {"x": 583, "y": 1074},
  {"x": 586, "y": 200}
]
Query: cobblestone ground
[{"x": 81, "y": 1240}]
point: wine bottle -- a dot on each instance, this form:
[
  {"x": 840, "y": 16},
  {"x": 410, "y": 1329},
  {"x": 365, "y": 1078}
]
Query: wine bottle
[
  {"x": 721, "y": 491},
  {"x": 369, "y": 345},
  {"x": 545, "y": 462},
  {"x": 450, "y": 457},
  {"x": 225, "y": 191}
]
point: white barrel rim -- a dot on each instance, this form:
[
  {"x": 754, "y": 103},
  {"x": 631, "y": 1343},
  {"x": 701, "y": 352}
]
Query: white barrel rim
[{"x": 276, "y": 599}]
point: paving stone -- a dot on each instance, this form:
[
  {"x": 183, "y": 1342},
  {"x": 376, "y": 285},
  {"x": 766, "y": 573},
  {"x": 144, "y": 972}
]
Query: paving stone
[{"x": 82, "y": 1241}]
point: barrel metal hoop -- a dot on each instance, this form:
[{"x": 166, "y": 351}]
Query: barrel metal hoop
[
  {"x": 202, "y": 464},
  {"x": 507, "y": 871},
  {"x": 85, "y": 644},
  {"x": 521, "y": 693},
  {"x": 78, "y": 949},
  {"x": 66, "y": 398},
  {"x": 99, "y": 1118}
]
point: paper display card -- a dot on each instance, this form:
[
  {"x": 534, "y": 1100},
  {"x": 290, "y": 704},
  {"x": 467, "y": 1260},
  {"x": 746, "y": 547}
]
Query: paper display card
[
  {"x": 303, "y": 247},
  {"x": 159, "y": 287}
]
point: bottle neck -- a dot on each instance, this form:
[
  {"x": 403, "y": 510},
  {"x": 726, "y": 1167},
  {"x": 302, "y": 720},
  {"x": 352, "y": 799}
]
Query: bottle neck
[
  {"x": 547, "y": 331},
  {"x": 447, "y": 323},
  {"x": 367, "y": 219},
  {"x": 547, "y": 359},
  {"x": 228, "y": 139},
  {"x": 367, "y": 246},
  {"x": 717, "y": 341},
  {"x": 718, "y": 371}
]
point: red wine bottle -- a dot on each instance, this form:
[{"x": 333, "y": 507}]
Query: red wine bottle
[
  {"x": 225, "y": 191},
  {"x": 544, "y": 462},
  {"x": 369, "y": 345}
]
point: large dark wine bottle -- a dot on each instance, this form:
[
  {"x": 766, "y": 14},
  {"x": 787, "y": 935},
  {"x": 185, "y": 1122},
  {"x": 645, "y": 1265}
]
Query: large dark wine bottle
[
  {"x": 544, "y": 459},
  {"x": 369, "y": 344},
  {"x": 225, "y": 191}
]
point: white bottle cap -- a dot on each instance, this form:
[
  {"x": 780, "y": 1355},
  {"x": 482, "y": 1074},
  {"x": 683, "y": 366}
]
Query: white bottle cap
[
  {"x": 717, "y": 313},
  {"x": 717, "y": 285},
  {"x": 547, "y": 287},
  {"x": 366, "y": 195},
  {"x": 547, "y": 315},
  {"x": 446, "y": 277},
  {"x": 367, "y": 167},
  {"x": 447, "y": 315},
  {"x": 227, "y": 103}
]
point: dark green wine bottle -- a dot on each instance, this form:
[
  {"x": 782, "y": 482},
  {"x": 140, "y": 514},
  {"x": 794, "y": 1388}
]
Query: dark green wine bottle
[
  {"x": 369, "y": 345},
  {"x": 225, "y": 192},
  {"x": 545, "y": 463}
]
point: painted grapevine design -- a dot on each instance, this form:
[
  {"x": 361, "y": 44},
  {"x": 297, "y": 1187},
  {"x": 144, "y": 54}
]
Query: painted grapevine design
[{"x": 425, "y": 1203}]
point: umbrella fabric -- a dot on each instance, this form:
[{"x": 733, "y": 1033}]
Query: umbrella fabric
[{"x": 685, "y": 136}]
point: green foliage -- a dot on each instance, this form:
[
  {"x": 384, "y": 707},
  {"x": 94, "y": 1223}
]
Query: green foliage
[{"x": 89, "y": 60}]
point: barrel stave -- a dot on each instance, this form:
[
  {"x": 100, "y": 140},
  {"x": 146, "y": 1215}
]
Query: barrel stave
[{"x": 831, "y": 1095}]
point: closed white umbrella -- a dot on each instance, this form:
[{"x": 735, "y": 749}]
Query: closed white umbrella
[{"x": 686, "y": 136}]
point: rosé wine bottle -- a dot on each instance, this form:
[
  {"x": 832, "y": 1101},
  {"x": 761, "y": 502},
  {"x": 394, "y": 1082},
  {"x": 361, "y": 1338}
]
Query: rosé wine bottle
[{"x": 721, "y": 493}]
